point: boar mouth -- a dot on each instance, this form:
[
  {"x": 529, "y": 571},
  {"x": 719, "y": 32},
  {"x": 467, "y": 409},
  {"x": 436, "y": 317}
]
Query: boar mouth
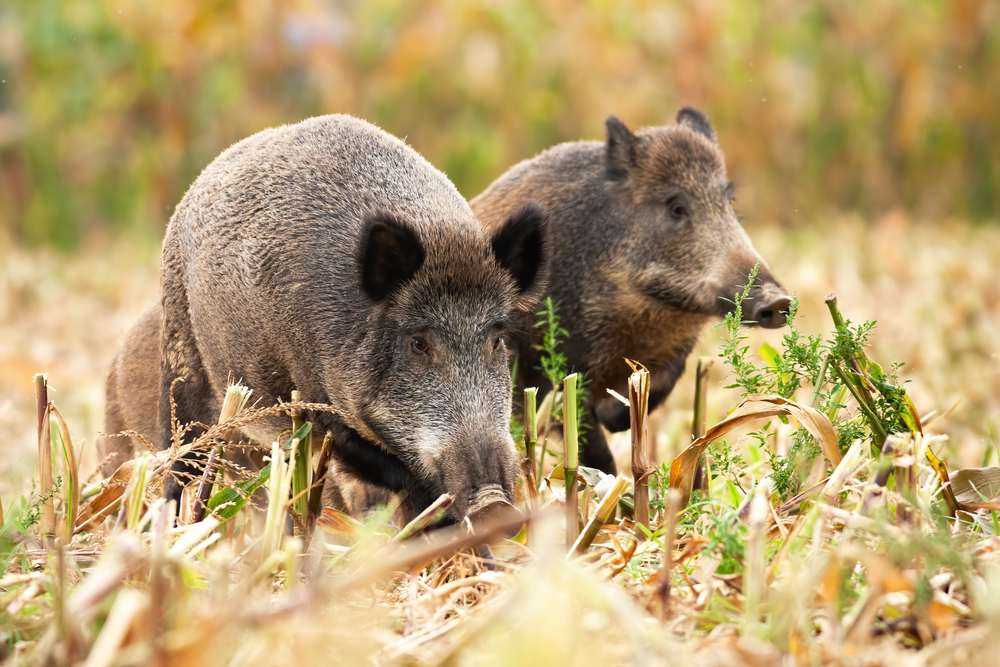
[
  {"x": 486, "y": 505},
  {"x": 664, "y": 291},
  {"x": 490, "y": 507}
]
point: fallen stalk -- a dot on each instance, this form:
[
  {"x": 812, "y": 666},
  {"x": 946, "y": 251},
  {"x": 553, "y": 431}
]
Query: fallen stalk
[{"x": 605, "y": 511}]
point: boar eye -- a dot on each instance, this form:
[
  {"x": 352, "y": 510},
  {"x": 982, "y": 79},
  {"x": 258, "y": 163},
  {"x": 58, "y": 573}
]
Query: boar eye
[
  {"x": 677, "y": 210},
  {"x": 419, "y": 345}
]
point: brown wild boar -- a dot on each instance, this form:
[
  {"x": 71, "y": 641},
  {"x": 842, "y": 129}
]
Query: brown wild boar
[
  {"x": 331, "y": 258},
  {"x": 646, "y": 249}
]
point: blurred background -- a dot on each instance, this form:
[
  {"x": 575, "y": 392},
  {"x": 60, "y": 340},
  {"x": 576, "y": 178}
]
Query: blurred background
[
  {"x": 109, "y": 109},
  {"x": 864, "y": 138}
]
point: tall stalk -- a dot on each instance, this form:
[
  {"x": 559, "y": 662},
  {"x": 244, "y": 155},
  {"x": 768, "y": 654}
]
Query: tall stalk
[
  {"x": 532, "y": 467},
  {"x": 604, "y": 513},
  {"x": 754, "y": 574},
  {"x": 45, "y": 457},
  {"x": 316, "y": 494},
  {"x": 638, "y": 402},
  {"x": 669, "y": 535},
  {"x": 71, "y": 485},
  {"x": 530, "y": 441},
  {"x": 702, "y": 480},
  {"x": 278, "y": 487},
  {"x": 545, "y": 411},
  {"x": 302, "y": 451},
  {"x": 572, "y": 460}
]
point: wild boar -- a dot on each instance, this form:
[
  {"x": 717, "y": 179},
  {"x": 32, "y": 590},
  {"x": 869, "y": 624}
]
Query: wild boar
[
  {"x": 646, "y": 249},
  {"x": 331, "y": 258}
]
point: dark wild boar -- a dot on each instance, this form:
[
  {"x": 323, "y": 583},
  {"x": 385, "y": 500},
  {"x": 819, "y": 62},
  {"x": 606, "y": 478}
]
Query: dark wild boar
[
  {"x": 329, "y": 257},
  {"x": 646, "y": 249}
]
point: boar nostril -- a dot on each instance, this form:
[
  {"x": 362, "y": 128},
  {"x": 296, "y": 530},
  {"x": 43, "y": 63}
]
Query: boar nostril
[{"x": 773, "y": 314}]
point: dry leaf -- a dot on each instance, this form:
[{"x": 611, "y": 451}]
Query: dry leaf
[
  {"x": 338, "y": 523},
  {"x": 976, "y": 488},
  {"x": 109, "y": 497},
  {"x": 755, "y": 406}
]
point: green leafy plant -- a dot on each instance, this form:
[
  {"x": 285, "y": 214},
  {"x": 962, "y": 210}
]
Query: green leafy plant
[
  {"x": 728, "y": 537},
  {"x": 553, "y": 362},
  {"x": 555, "y": 366},
  {"x": 748, "y": 376},
  {"x": 34, "y": 511},
  {"x": 834, "y": 370}
]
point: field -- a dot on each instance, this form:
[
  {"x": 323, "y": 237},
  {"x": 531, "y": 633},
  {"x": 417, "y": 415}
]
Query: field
[{"x": 839, "y": 591}]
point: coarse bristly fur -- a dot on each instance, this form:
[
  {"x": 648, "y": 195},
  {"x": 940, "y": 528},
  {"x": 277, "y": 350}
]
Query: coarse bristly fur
[
  {"x": 331, "y": 258},
  {"x": 646, "y": 249}
]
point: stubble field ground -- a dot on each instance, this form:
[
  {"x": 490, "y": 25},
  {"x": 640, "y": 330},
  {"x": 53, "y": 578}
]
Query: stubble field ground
[{"x": 931, "y": 286}]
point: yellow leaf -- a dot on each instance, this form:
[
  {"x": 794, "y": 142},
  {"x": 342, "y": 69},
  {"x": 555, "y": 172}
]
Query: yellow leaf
[{"x": 755, "y": 406}]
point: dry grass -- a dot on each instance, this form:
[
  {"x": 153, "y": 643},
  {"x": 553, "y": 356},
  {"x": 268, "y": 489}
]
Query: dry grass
[{"x": 835, "y": 584}]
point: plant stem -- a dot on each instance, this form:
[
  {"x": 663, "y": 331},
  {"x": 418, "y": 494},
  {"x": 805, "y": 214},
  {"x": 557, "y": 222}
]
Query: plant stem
[
  {"x": 278, "y": 488},
  {"x": 605, "y": 511},
  {"x": 236, "y": 399},
  {"x": 546, "y": 411},
  {"x": 434, "y": 513},
  {"x": 818, "y": 381},
  {"x": 532, "y": 468},
  {"x": 831, "y": 302},
  {"x": 45, "y": 457},
  {"x": 137, "y": 493},
  {"x": 878, "y": 431},
  {"x": 702, "y": 480},
  {"x": 754, "y": 574},
  {"x": 638, "y": 402},
  {"x": 303, "y": 465},
  {"x": 572, "y": 460},
  {"x": 670, "y": 532},
  {"x": 316, "y": 495},
  {"x": 530, "y": 441},
  {"x": 71, "y": 494},
  {"x": 857, "y": 360}
]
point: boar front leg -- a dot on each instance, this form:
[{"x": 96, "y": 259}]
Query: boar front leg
[{"x": 594, "y": 450}]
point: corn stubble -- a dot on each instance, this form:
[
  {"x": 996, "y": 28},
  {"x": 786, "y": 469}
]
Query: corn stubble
[{"x": 835, "y": 552}]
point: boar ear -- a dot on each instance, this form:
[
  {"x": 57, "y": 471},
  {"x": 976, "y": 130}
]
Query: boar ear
[
  {"x": 697, "y": 121},
  {"x": 621, "y": 148},
  {"x": 390, "y": 254},
  {"x": 520, "y": 247}
]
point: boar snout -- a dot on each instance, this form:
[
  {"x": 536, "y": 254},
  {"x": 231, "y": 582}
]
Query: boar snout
[
  {"x": 767, "y": 303},
  {"x": 490, "y": 507},
  {"x": 771, "y": 313}
]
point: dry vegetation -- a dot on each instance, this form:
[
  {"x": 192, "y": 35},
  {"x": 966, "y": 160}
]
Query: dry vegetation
[{"x": 856, "y": 571}]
